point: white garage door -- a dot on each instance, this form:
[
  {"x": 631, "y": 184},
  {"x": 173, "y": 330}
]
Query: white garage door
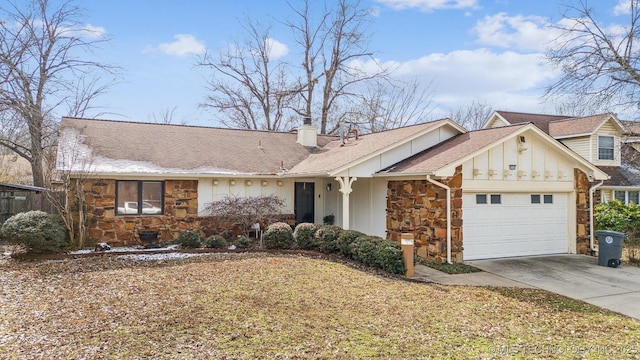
[{"x": 504, "y": 225}]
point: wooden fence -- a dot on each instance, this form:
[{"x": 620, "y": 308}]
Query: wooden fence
[{"x": 17, "y": 201}]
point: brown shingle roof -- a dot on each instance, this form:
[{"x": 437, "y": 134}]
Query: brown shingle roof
[
  {"x": 333, "y": 156},
  {"x": 452, "y": 150},
  {"x": 150, "y": 148},
  {"x": 621, "y": 175},
  {"x": 540, "y": 120},
  {"x": 576, "y": 126}
]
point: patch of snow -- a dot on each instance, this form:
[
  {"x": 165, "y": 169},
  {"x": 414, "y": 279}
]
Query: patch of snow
[{"x": 162, "y": 256}]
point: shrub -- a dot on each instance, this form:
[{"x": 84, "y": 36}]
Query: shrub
[
  {"x": 278, "y": 236},
  {"x": 344, "y": 241},
  {"x": 389, "y": 257},
  {"x": 377, "y": 252},
  {"x": 189, "y": 240},
  {"x": 216, "y": 242},
  {"x": 305, "y": 236},
  {"x": 37, "y": 231},
  {"x": 243, "y": 242},
  {"x": 327, "y": 236}
]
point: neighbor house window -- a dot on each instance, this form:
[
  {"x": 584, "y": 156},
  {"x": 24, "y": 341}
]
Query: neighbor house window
[
  {"x": 627, "y": 197},
  {"x": 139, "y": 197},
  {"x": 605, "y": 147}
]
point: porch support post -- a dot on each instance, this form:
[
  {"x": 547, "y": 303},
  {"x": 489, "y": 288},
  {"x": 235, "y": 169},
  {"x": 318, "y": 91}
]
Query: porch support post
[{"x": 345, "y": 188}]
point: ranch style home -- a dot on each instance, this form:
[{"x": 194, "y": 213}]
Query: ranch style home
[{"x": 514, "y": 188}]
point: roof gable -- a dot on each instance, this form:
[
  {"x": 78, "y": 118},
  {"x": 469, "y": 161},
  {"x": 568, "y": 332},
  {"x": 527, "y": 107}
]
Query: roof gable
[
  {"x": 540, "y": 120},
  {"x": 442, "y": 159},
  {"x": 582, "y": 126},
  {"x": 334, "y": 158}
]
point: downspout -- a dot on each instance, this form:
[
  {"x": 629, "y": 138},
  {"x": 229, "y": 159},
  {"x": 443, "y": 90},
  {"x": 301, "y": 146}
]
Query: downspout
[
  {"x": 448, "y": 189},
  {"x": 592, "y": 190}
]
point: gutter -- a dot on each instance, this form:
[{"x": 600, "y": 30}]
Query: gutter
[
  {"x": 448, "y": 189},
  {"x": 592, "y": 190}
]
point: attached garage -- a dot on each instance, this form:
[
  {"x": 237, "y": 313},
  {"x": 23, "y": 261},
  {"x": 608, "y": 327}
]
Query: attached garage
[{"x": 514, "y": 224}]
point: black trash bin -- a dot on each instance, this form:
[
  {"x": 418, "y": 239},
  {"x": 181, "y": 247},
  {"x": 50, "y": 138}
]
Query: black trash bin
[{"x": 610, "y": 247}]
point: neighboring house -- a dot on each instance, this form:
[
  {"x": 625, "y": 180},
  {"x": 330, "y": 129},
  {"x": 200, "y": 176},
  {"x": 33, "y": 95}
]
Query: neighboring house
[{"x": 507, "y": 191}]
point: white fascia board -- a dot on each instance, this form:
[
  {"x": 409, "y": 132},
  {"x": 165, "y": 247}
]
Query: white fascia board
[
  {"x": 445, "y": 122},
  {"x": 495, "y": 114}
]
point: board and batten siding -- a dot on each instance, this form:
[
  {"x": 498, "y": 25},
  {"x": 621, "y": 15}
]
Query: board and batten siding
[{"x": 533, "y": 161}]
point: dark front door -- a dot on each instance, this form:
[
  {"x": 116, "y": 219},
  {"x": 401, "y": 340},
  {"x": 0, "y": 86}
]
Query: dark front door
[{"x": 304, "y": 202}]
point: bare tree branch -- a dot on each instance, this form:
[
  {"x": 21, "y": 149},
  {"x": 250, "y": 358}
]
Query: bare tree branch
[
  {"x": 42, "y": 70},
  {"x": 599, "y": 62}
]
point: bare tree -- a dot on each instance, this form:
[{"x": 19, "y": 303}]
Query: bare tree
[
  {"x": 331, "y": 47},
  {"x": 247, "y": 82},
  {"x": 42, "y": 72},
  {"x": 74, "y": 177},
  {"x": 254, "y": 89},
  {"x": 598, "y": 62},
  {"x": 245, "y": 212},
  {"x": 387, "y": 105},
  {"x": 472, "y": 116}
]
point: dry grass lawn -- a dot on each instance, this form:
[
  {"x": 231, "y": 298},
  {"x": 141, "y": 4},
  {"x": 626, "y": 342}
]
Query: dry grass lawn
[{"x": 226, "y": 306}]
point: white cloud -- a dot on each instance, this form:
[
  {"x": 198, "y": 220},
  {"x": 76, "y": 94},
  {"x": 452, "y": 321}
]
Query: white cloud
[
  {"x": 276, "y": 49},
  {"x": 185, "y": 44},
  {"x": 622, "y": 8},
  {"x": 515, "y": 32},
  {"x": 429, "y": 5},
  {"x": 506, "y": 80}
]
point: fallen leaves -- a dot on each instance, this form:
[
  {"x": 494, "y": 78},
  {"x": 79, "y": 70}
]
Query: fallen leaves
[{"x": 235, "y": 306}]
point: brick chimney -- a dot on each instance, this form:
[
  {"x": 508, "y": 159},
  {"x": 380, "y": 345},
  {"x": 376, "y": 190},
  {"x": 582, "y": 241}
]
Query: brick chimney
[{"x": 307, "y": 134}]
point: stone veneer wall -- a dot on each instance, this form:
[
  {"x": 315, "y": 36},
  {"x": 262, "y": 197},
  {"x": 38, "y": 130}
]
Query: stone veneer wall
[
  {"x": 180, "y": 213},
  {"x": 582, "y": 186},
  {"x": 419, "y": 207}
]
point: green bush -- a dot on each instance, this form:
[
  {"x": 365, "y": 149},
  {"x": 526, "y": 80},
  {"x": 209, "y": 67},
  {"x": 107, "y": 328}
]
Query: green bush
[
  {"x": 243, "y": 242},
  {"x": 327, "y": 236},
  {"x": 378, "y": 252},
  {"x": 216, "y": 242},
  {"x": 37, "y": 231},
  {"x": 344, "y": 241},
  {"x": 278, "y": 236},
  {"x": 389, "y": 257},
  {"x": 615, "y": 215},
  {"x": 189, "y": 240},
  {"x": 305, "y": 236}
]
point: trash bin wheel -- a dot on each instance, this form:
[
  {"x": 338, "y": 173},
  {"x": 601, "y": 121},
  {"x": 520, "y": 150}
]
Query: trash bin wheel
[{"x": 614, "y": 263}]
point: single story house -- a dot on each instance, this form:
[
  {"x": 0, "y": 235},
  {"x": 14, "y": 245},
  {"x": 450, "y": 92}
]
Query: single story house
[{"x": 505, "y": 191}]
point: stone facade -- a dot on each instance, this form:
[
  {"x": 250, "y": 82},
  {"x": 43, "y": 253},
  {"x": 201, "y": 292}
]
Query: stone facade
[
  {"x": 582, "y": 186},
  {"x": 180, "y": 213},
  {"x": 419, "y": 207}
]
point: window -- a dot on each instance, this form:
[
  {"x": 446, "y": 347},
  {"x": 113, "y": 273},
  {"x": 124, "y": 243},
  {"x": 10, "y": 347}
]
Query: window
[
  {"x": 495, "y": 199},
  {"x": 139, "y": 197},
  {"x": 536, "y": 199},
  {"x": 605, "y": 148},
  {"x": 481, "y": 198},
  {"x": 627, "y": 197}
]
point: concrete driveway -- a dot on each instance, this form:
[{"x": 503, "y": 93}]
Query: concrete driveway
[{"x": 575, "y": 276}]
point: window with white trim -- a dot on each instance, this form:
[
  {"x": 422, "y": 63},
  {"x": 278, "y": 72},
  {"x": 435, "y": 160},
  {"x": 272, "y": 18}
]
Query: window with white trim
[
  {"x": 627, "y": 197},
  {"x": 606, "y": 146}
]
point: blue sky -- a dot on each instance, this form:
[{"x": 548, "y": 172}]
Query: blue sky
[{"x": 468, "y": 50}]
